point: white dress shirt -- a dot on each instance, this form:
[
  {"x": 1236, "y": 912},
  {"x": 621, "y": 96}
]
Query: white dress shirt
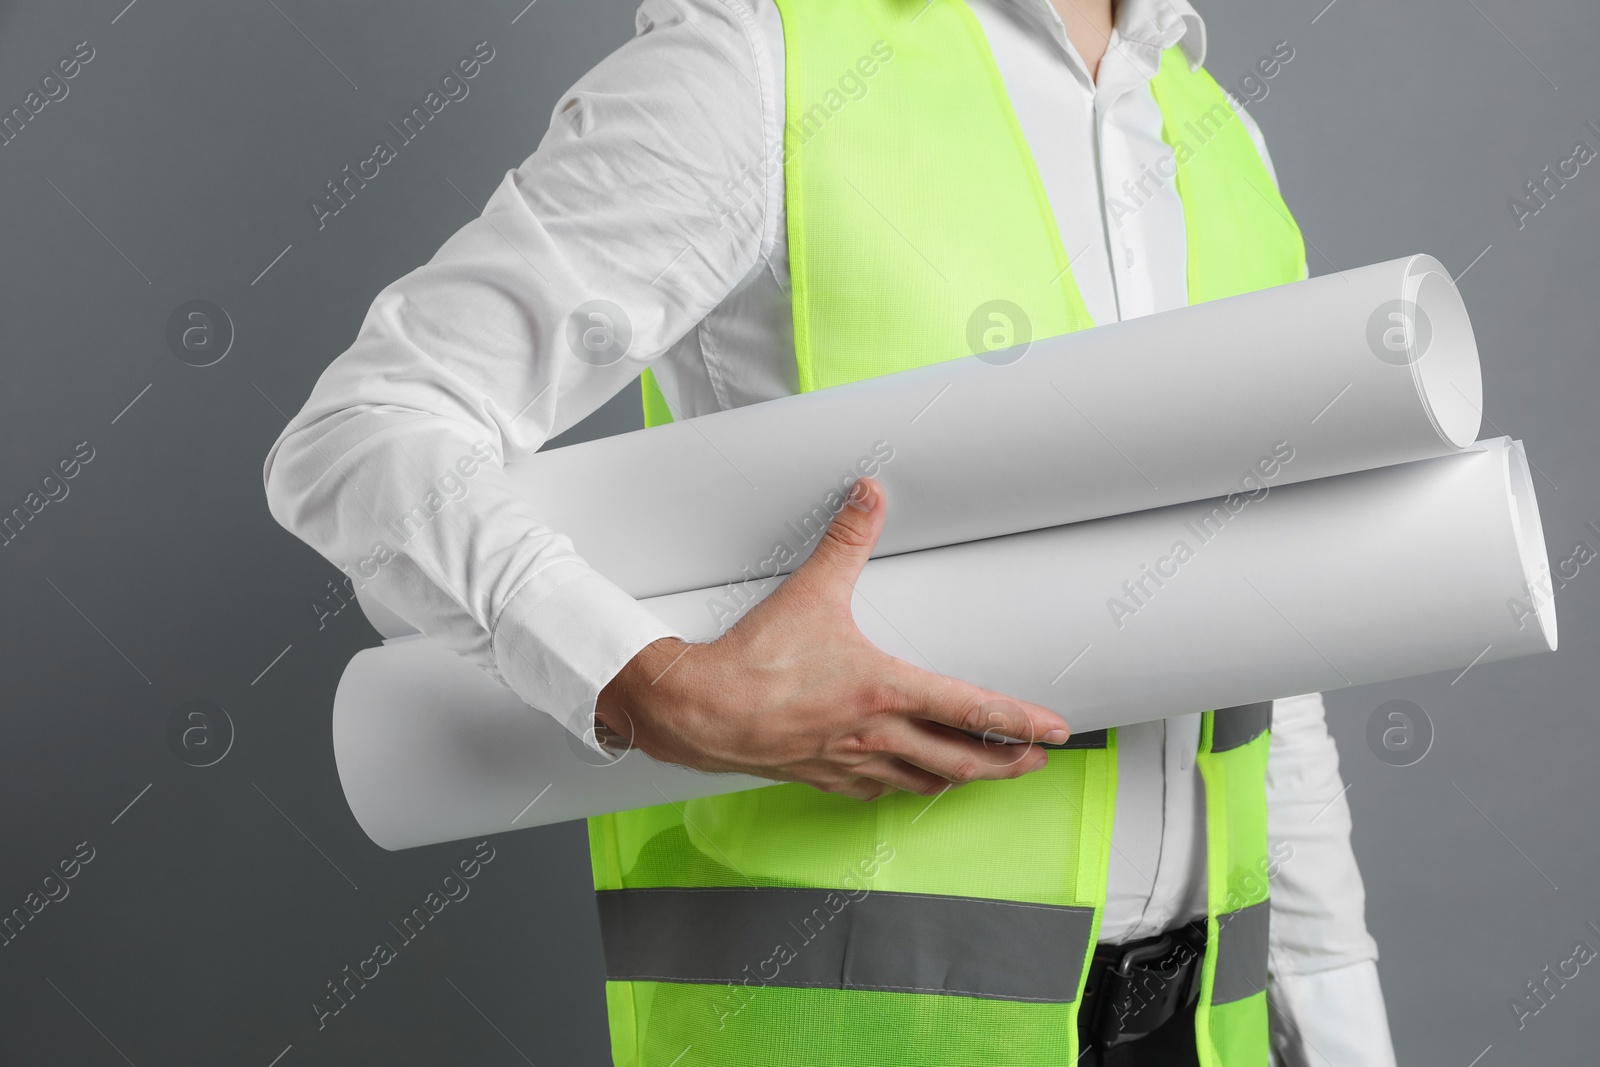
[{"x": 659, "y": 188}]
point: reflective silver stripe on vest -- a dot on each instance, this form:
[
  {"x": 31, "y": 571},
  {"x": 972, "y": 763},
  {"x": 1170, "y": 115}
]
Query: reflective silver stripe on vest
[
  {"x": 1241, "y": 954},
  {"x": 839, "y": 939},
  {"x": 1232, "y": 727}
]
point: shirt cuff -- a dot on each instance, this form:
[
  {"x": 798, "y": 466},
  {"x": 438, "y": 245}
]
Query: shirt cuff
[
  {"x": 1333, "y": 1018},
  {"x": 564, "y": 635}
]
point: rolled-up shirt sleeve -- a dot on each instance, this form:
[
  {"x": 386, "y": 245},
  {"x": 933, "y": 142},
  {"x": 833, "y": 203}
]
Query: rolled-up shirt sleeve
[
  {"x": 1327, "y": 1004},
  {"x": 394, "y": 467}
]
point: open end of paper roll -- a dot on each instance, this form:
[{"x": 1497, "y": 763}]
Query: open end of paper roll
[
  {"x": 1443, "y": 352},
  {"x": 383, "y": 620},
  {"x": 1530, "y": 542}
]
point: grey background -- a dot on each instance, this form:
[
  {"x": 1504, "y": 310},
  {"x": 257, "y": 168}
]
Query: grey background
[{"x": 222, "y": 900}]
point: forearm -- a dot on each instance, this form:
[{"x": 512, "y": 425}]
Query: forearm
[
  {"x": 1334, "y": 1018},
  {"x": 1328, "y": 1006},
  {"x": 414, "y": 505}
]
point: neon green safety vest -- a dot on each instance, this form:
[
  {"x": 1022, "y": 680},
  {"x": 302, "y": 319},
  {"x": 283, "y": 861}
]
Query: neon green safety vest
[{"x": 790, "y": 926}]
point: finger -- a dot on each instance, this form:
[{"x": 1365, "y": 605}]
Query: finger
[
  {"x": 896, "y": 772},
  {"x": 957, "y": 758},
  {"x": 863, "y": 789},
  {"x": 980, "y": 712},
  {"x": 847, "y": 544}
]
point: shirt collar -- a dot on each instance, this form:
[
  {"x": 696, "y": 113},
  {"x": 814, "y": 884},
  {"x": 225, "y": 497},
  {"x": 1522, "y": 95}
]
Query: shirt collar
[
  {"x": 1160, "y": 24},
  {"x": 1153, "y": 24}
]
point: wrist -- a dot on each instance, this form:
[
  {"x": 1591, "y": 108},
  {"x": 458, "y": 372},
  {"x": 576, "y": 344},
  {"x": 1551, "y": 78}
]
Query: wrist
[{"x": 641, "y": 684}]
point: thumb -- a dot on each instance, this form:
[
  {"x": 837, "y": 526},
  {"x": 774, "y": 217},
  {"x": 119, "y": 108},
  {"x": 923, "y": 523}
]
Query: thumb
[{"x": 847, "y": 543}]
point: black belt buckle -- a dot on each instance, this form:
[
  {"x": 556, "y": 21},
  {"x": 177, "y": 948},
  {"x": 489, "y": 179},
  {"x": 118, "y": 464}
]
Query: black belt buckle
[{"x": 1145, "y": 986}]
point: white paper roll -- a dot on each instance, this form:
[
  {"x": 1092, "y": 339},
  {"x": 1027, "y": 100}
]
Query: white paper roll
[
  {"x": 1357, "y": 370},
  {"x": 431, "y": 749},
  {"x": 1347, "y": 580}
]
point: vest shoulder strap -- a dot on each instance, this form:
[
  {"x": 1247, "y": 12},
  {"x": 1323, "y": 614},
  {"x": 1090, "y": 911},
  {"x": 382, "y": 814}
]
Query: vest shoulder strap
[{"x": 1240, "y": 234}]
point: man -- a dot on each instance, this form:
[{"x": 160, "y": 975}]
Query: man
[{"x": 759, "y": 197}]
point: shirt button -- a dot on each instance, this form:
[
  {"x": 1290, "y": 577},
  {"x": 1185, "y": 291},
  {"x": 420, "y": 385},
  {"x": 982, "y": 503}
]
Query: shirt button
[{"x": 1127, "y": 257}]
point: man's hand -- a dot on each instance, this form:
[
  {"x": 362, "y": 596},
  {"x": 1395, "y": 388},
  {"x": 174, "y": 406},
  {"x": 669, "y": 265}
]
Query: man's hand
[{"x": 795, "y": 692}]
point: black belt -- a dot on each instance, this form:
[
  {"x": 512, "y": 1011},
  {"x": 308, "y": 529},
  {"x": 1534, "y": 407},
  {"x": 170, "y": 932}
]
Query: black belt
[{"x": 1140, "y": 995}]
